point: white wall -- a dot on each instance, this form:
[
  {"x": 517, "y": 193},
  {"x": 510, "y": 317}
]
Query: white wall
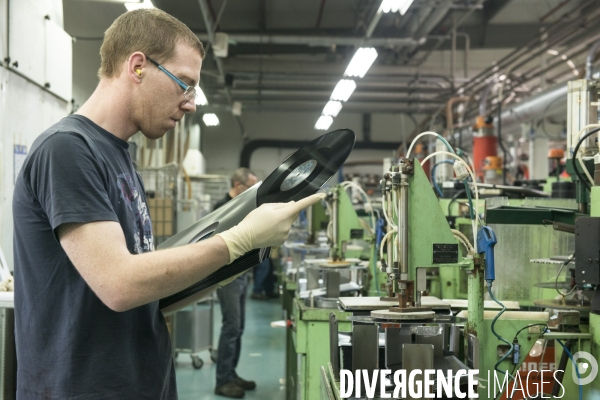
[{"x": 25, "y": 112}]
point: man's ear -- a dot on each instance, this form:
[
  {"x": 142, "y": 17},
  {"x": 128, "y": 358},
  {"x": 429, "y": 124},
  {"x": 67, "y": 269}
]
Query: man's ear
[{"x": 135, "y": 66}]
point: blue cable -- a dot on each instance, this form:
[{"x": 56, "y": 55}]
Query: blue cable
[
  {"x": 489, "y": 285},
  {"x": 432, "y": 176},
  {"x": 574, "y": 366},
  {"x": 446, "y": 143}
]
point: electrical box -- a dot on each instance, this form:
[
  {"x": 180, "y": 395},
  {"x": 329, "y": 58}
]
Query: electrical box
[{"x": 587, "y": 251}]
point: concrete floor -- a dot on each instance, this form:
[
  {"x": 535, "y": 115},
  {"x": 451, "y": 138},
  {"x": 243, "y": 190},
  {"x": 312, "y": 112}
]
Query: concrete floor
[{"x": 262, "y": 359}]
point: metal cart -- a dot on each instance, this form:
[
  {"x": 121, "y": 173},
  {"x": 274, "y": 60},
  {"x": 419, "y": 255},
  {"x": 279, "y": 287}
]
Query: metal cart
[{"x": 193, "y": 331}]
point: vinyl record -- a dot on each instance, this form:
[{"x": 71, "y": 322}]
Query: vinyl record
[
  {"x": 301, "y": 175},
  {"x": 304, "y": 172}
]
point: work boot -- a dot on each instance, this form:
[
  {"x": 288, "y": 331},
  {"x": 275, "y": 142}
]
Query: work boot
[
  {"x": 258, "y": 296},
  {"x": 230, "y": 389},
  {"x": 244, "y": 384}
]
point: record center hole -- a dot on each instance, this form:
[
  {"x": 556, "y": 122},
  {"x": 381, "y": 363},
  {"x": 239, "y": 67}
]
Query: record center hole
[{"x": 298, "y": 175}]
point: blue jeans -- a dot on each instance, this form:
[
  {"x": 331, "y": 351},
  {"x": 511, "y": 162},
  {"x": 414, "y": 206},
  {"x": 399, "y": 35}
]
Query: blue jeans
[
  {"x": 263, "y": 278},
  {"x": 232, "y": 298}
]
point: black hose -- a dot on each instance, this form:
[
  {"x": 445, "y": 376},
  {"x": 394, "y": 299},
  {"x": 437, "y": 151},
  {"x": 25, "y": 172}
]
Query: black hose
[{"x": 575, "y": 151}]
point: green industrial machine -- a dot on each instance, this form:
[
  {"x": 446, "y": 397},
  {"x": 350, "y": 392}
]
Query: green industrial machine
[
  {"x": 451, "y": 283},
  {"x": 345, "y": 226},
  {"x": 349, "y": 237},
  {"x": 421, "y": 238},
  {"x": 310, "y": 332}
]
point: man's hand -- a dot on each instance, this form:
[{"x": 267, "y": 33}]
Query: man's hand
[{"x": 268, "y": 225}]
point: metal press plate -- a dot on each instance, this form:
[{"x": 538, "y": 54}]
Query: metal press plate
[
  {"x": 365, "y": 303},
  {"x": 374, "y": 303},
  {"x": 405, "y": 316},
  {"x": 335, "y": 264}
]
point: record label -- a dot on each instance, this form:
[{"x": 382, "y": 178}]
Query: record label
[
  {"x": 298, "y": 175},
  {"x": 305, "y": 171}
]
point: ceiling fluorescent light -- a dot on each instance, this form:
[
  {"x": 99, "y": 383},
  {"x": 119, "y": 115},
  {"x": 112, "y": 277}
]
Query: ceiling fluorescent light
[
  {"x": 361, "y": 62},
  {"x": 138, "y": 5},
  {"x": 552, "y": 52},
  {"x": 210, "y": 119},
  {"x": 200, "y": 98},
  {"x": 324, "y": 122},
  {"x": 343, "y": 90},
  {"x": 395, "y": 5},
  {"x": 332, "y": 108}
]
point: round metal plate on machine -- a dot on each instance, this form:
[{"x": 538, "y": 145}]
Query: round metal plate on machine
[
  {"x": 335, "y": 264},
  {"x": 405, "y": 316}
]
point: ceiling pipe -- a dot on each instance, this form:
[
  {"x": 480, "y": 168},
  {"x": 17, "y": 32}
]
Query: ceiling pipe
[
  {"x": 589, "y": 61},
  {"x": 424, "y": 29},
  {"x": 533, "y": 74},
  {"x": 533, "y": 107},
  {"x": 418, "y": 18},
  {"x": 314, "y": 41},
  {"x": 320, "y": 14},
  {"x": 554, "y": 10},
  {"x": 456, "y": 25},
  {"x": 386, "y": 78},
  {"x": 285, "y": 105},
  {"x": 450, "y": 113},
  {"x": 484, "y": 97},
  {"x": 374, "y": 22},
  {"x": 321, "y": 85},
  {"x": 324, "y": 95},
  {"x": 253, "y": 145},
  {"x": 557, "y": 30},
  {"x": 530, "y": 75}
]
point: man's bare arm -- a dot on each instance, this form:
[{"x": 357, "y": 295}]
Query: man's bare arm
[{"x": 122, "y": 280}]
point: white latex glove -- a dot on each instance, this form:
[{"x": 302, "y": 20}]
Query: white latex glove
[
  {"x": 268, "y": 225},
  {"x": 7, "y": 285}
]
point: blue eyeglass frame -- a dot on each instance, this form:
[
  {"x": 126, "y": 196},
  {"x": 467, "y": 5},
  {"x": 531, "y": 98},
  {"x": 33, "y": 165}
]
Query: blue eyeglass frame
[{"x": 188, "y": 90}]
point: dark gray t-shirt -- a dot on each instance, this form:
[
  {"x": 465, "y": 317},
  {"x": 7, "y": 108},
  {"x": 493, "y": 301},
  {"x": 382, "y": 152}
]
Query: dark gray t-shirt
[{"x": 69, "y": 344}]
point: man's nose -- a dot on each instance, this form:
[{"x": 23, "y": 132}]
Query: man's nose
[{"x": 189, "y": 106}]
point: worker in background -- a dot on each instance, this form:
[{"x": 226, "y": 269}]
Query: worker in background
[
  {"x": 264, "y": 281},
  {"x": 232, "y": 298},
  {"x": 87, "y": 281}
]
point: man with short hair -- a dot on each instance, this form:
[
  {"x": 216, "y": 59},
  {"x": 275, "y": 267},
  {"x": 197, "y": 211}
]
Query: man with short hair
[
  {"x": 232, "y": 299},
  {"x": 87, "y": 281}
]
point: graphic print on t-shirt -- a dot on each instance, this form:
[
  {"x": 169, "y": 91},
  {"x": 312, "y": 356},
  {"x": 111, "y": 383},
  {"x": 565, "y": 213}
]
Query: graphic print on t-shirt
[{"x": 142, "y": 224}]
